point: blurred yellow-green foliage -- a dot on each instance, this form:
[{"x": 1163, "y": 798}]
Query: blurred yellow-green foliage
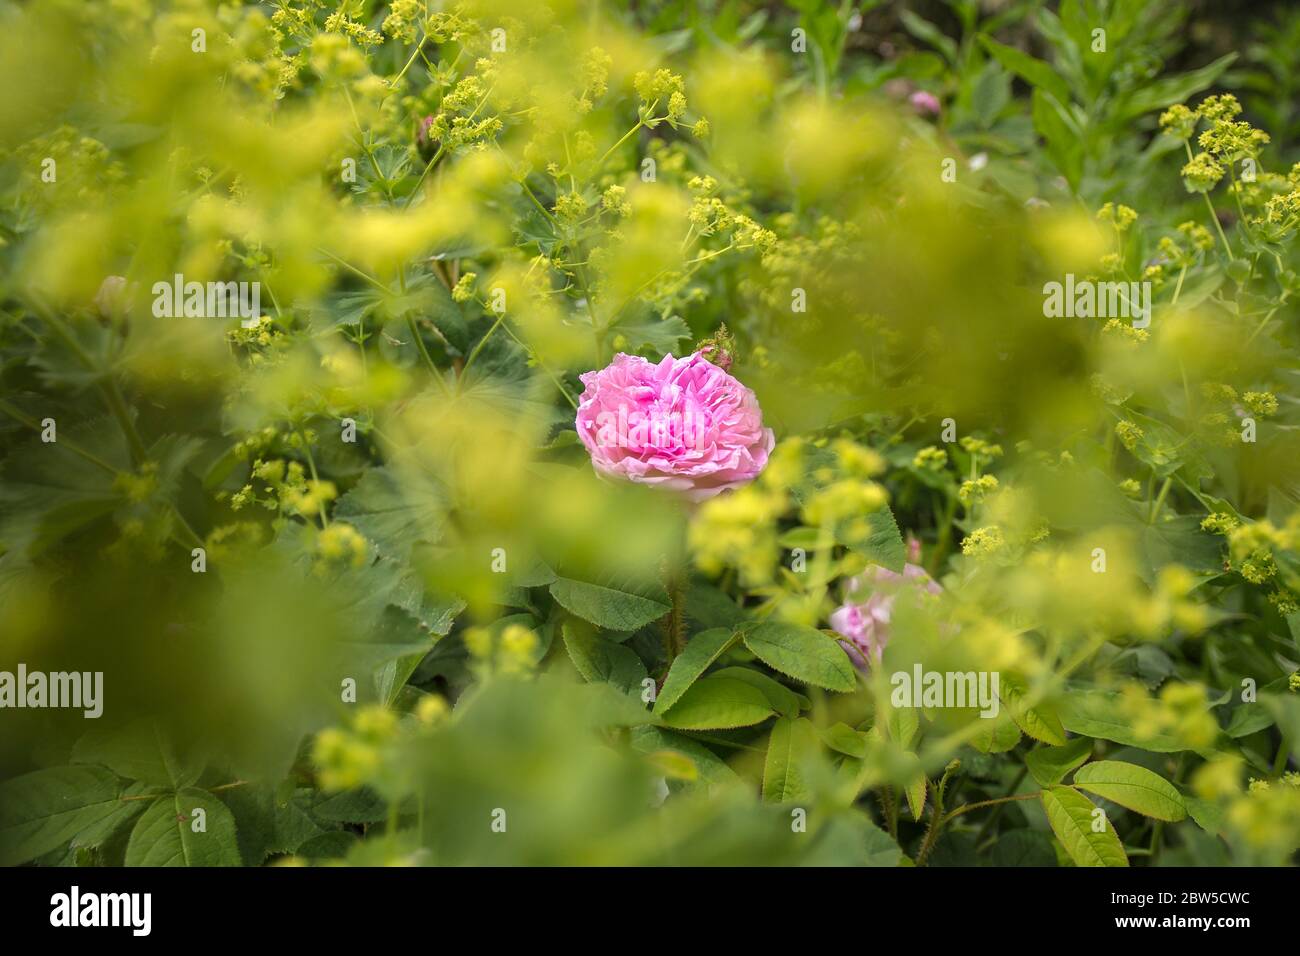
[{"x": 349, "y": 576}]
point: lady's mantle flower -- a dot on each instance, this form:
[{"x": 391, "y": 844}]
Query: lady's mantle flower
[{"x": 684, "y": 424}]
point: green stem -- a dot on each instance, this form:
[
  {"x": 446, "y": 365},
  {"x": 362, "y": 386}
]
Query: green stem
[{"x": 1160, "y": 500}]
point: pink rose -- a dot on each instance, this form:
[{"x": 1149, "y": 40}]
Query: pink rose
[
  {"x": 927, "y": 104},
  {"x": 684, "y": 424},
  {"x": 864, "y": 617}
]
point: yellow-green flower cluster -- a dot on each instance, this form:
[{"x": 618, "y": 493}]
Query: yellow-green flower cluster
[
  {"x": 930, "y": 458},
  {"x": 1129, "y": 433},
  {"x": 614, "y": 199},
  {"x": 983, "y": 542},
  {"x": 977, "y": 489},
  {"x": 1179, "y": 712},
  {"x": 979, "y": 448},
  {"x": 1261, "y": 403},
  {"x": 739, "y": 529},
  {"x": 340, "y": 544},
  {"x": 1202, "y": 173},
  {"x": 347, "y": 758},
  {"x": 1178, "y": 121},
  {"x": 1120, "y": 216},
  {"x": 404, "y": 20},
  {"x": 340, "y": 22},
  {"x": 1220, "y": 522},
  {"x": 1251, "y": 549},
  {"x": 511, "y": 652},
  {"x": 463, "y": 290},
  {"x": 1230, "y": 140}
]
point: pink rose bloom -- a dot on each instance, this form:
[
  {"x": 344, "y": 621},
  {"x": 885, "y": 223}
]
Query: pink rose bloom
[
  {"x": 684, "y": 424},
  {"x": 927, "y": 104},
  {"x": 864, "y": 617}
]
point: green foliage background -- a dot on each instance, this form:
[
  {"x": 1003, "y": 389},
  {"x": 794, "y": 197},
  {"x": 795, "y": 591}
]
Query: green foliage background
[{"x": 452, "y": 211}]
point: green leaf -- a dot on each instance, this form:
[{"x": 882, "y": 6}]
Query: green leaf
[
  {"x": 1023, "y": 848},
  {"x": 990, "y": 94},
  {"x": 1134, "y": 787},
  {"x": 783, "y": 700},
  {"x": 165, "y": 835},
  {"x": 996, "y": 735},
  {"x": 1053, "y": 122},
  {"x": 904, "y": 724},
  {"x": 140, "y": 751},
  {"x": 1071, "y": 817},
  {"x": 648, "y": 332},
  {"x": 923, "y": 29},
  {"x": 1169, "y": 90},
  {"x": 43, "y": 810},
  {"x": 842, "y": 738},
  {"x": 915, "y": 791},
  {"x": 1097, "y": 714},
  {"x": 1207, "y": 814},
  {"x": 701, "y": 651},
  {"x": 715, "y": 703},
  {"x": 883, "y": 544},
  {"x": 1049, "y": 765},
  {"x": 803, "y": 653},
  {"x": 1039, "y": 721},
  {"x": 851, "y": 839},
  {"x": 601, "y": 661},
  {"x": 612, "y": 608},
  {"x": 710, "y": 767},
  {"x": 394, "y": 510},
  {"x": 1037, "y": 73},
  {"x": 1248, "y": 719},
  {"x": 791, "y": 744}
]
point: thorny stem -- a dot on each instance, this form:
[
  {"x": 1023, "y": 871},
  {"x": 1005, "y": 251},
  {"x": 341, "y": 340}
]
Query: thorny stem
[
  {"x": 674, "y": 622},
  {"x": 979, "y": 835}
]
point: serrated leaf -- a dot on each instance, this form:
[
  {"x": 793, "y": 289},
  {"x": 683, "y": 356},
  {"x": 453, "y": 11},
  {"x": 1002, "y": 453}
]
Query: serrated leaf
[
  {"x": 792, "y": 742},
  {"x": 602, "y": 661},
  {"x": 1071, "y": 816},
  {"x": 1023, "y": 848},
  {"x": 42, "y": 810},
  {"x": 883, "y": 543},
  {"x": 1134, "y": 787},
  {"x": 394, "y": 511},
  {"x": 716, "y": 703},
  {"x": 915, "y": 791},
  {"x": 700, "y": 652},
  {"x": 165, "y": 835},
  {"x": 710, "y": 768},
  {"x": 1049, "y": 765},
  {"x": 140, "y": 751},
  {"x": 611, "y": 607},
  {"x": 1207, "y": 814},
  {"x": 783, "y": 700},
  {"x": 996, "y": 735},
  {"x": 1039, "y": 721},
  {"x": 803, "y": 653},
  {"x": 1097, "y": 714},
  {"x": 842, "y": 738}
]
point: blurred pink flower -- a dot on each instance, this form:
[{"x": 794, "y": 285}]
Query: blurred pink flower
[
  {"x": 684, "y": 424},
  {"x": 869, "y": 604},
  {"x": 927, "y": 104}
]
